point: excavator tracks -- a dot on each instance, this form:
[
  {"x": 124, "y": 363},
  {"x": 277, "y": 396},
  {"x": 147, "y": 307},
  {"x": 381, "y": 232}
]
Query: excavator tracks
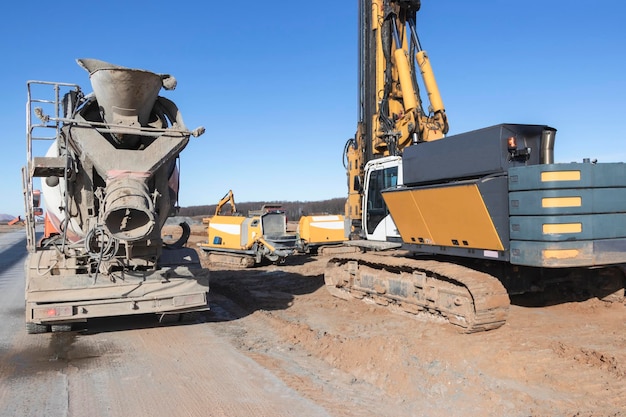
[{"x": 471, "y": 300}]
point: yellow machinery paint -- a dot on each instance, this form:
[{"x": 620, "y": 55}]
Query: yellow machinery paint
[
  {"x": 319, "y": 230},
  {"x": 444, "y": 216},
  {"x": 246, "y": 240},
  {"x": 556, "y": 176},
  {"x": 396, "y": 98},
  {"x": 551, "y": 202},
  {"x": 233, "y": 232}
]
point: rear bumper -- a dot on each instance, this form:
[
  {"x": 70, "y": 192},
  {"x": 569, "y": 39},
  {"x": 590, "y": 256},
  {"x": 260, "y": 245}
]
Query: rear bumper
[
  {"x": 54, "y": 299},
  {"x": 79, "y": 311}
]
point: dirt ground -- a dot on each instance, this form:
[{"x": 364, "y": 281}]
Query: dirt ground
[
  {"x": 562, "y": 358},
  {"x": 557, "y": 359}
]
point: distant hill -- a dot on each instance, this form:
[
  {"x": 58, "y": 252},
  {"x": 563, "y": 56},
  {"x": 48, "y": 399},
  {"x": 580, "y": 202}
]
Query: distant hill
[
  {"x": 294, "y": 209},
  {"x": 5, "y": 218}
]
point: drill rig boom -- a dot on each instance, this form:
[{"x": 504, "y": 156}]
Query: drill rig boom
[{"x": 482, "y": 214}]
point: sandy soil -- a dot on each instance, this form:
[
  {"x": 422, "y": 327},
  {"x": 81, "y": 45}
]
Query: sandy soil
[
  {"x": 276, "y": 326},
  {"x": 352, "y": 358}
]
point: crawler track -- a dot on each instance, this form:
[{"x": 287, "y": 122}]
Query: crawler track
[
  {"x": 472, "y": 300},
  {"x": 332, "y": 250},
  {"x": 231, "y": 259}
]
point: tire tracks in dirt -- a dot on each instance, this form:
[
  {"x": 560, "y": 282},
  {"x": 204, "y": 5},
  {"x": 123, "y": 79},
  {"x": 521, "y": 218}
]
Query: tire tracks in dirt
[{"x": 564, "y": 359}]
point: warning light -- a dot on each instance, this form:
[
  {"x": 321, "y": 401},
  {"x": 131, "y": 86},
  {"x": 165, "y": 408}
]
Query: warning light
[
  {"x": 50, "y": 312},
  {"x": 512, "y": 143},
  {"x": 516, "y": 154}
]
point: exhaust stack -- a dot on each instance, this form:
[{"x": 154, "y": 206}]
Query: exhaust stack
[{"x": 548, "y": 137}]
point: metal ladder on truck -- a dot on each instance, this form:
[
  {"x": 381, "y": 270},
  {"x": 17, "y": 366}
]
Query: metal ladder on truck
[{"x": 42, "y": 117}]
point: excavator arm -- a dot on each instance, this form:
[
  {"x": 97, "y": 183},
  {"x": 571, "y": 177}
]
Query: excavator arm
[{"x": 228, "y": 198}]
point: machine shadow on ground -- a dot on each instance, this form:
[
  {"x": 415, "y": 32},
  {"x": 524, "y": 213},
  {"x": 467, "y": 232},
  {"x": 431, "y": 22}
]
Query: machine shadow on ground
[
  {"x": 260, "y": 289},
  {"x": 568, "y": 292},
  {"x": 234, "y": 294}
]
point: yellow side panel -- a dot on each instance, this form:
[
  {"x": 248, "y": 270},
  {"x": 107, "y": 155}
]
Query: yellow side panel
[
  {"x": 549, "y": 176},
  {"x": 225, "y": 232},
  {"x": 322, "y": 229},
  {"x": 447, "y": 216},
  {"x": 561, "y": 202},
  {"x": 408, "y": 217}
]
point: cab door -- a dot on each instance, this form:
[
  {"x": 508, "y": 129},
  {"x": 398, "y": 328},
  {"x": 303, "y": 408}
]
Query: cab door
[{"x": 380, "y": 174}]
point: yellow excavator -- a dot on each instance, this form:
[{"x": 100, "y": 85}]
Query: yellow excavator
[
  {"x": 246, "y": 241},
  {"x": 479, "y": 215},
  {"x": 229, "y": 199}
]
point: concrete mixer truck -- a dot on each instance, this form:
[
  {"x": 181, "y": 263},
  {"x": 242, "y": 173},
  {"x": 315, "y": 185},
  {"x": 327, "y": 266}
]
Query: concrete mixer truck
[{"x": 106, "y": 163}]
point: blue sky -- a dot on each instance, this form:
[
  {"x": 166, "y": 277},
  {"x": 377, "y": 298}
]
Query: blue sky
[{"x": 275, "y": 83}]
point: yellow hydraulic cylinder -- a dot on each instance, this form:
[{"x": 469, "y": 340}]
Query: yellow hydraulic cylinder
[
  {"x": 406, "y": 81},
  {"x": 377, "y": 9},
  {"x": 434, "y": 97}
]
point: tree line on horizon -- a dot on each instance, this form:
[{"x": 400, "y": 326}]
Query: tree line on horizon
[{"x": 293, "y": 209}]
